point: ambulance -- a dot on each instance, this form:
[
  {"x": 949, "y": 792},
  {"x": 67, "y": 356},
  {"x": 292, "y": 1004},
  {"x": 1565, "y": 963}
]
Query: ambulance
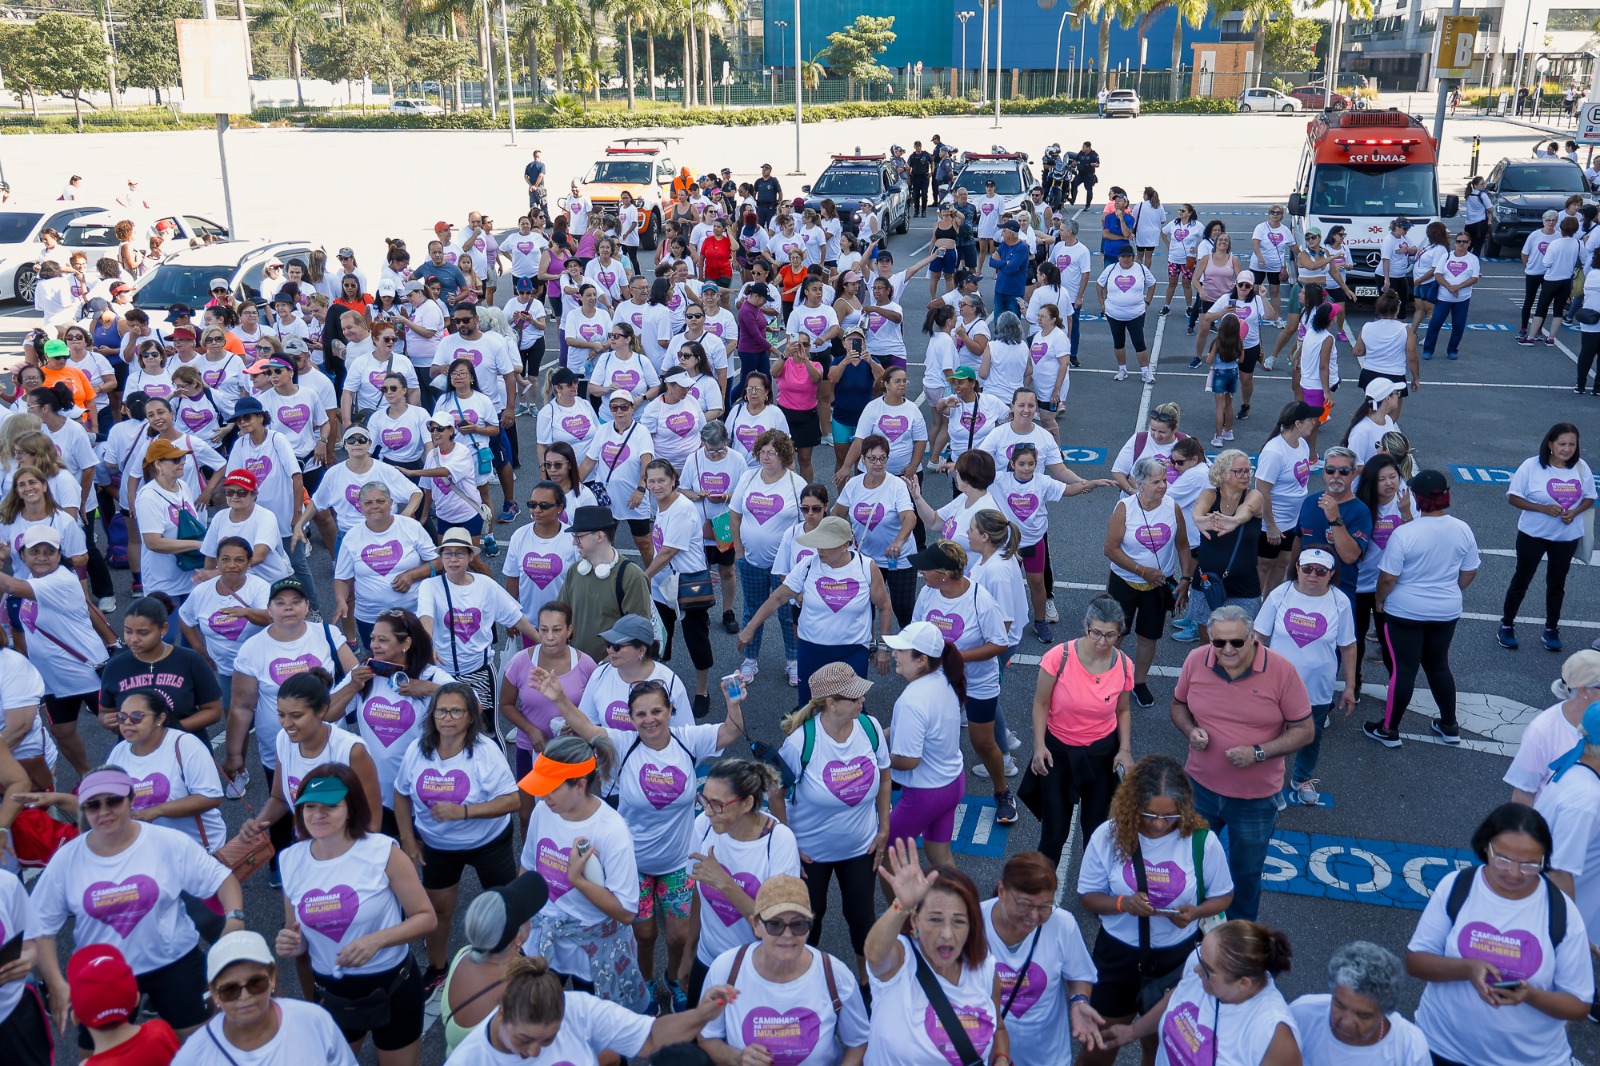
[{"x": 1362, "y": 170}]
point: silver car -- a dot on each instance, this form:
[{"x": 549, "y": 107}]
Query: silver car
[{"x": 1122, "y": 102}]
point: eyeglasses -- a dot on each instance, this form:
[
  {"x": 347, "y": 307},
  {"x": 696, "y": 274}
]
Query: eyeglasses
[
  {"x": 1205, "y": 971},
  {"x": 449, "y": 712},
  {"x": 104, "y": 802},
  {"x": 1233, "y": 642},
  {"x": 617, "y": 336},
  {"x": 461, "y": 321},
  {"x": 131, "y": 717},
  {"x": 797, "y": 926},
  {"x": 812, "y": 509},
  {"x": 876, "y": 458},
  {"x": 1509, "y": 865},
  {"x": 230, "y": 992},
  {"x": 1339, "y": 471},
  {"x": 554, "y": 464},
  {"x": 1152, "y": 816},
  {"x": 717, "y": 806}
]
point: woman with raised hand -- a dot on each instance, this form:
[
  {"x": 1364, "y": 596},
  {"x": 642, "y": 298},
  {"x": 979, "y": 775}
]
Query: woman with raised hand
[
  {"x": 935, "y": 925},
  {"x": 453, "y": 801},
  {"x": 586, "y": 930},
  {"x": 651, "y": 790},
  {"x": 353, "y": 905}
]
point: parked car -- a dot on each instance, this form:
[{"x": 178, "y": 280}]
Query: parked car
[
  {"x": 861, "y": 183},
  {"x": 185, "y": 277},
  {"x": 1012, "y": 176},
  {"x": 19, "y": 243},
  {"x": 1315, "y": 98},
  {"x": 411, "y": 105},
  {"x": 1122, "y": 102},
  {"x": 1521, "y": 191},
  {"x": 1262, "y": 98},
  {"x": 95, "y": 235}
]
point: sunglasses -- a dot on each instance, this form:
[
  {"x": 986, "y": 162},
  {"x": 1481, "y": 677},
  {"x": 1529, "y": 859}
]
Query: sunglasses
[
  {"x": 1339, "y": 471},
  {"x": 394, "y": 388},
  {"x": 1151, "y": 816},
  {"x": 618, "y": 647},
  {"x": 230, "y": 992},
  {"x": 1314, "y": 570},
  {"x": 104, "y": 802},
  {"x": 693, "y": 318},
  {"x": 797, "y": 926},
  {"x": 387, "y": 339},
  {"x": 1234, "y": 642},
  {"x": 358, "y": 440},
  {"x": 234, "y": 494},
  {"x": 461, "y": 321},
  {"x": 131, "y": 717}
]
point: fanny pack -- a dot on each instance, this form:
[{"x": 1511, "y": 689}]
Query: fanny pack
[{"x": 362, "y": 1014}]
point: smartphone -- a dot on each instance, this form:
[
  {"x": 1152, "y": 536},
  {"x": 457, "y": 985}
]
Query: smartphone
[
  {"x": 1505, "y": 985},
  {"x": 733, "y": 686},
  {"x": 1170, "y": 912},
  {"x": 12, "y": 951}
]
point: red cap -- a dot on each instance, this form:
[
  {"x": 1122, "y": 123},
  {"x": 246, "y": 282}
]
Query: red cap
[
  {"x": 104, "y": 992},
  {"x": 437, "y": 226},
  {"x": 241, "y": 479},
  {"x": 184, "y": 331}
]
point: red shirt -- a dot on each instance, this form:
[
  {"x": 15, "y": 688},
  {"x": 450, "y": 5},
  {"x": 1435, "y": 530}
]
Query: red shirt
[
  {"x": 1252, "y": 708},
  {"x": 717, "y": 253},
  {"x": 155, "y": 1045}
]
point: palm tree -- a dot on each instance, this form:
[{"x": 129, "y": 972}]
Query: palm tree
[
  {"x": 1126, "y": 12},
  {"x": 1193, "y": 12},
  {"x": 632, "y": 14},
  {"x": 586, "y": 76},
  {"x": 297, "y": 20},
  {"x": 1257, "y": 13},
  {"x": 812, "y": 71}
]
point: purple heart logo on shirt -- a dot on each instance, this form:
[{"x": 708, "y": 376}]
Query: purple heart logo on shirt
[
  {"x": 676, "y": 301},
  {"x": 375, "y": 379},
  {"x": 662, "y": 785},
  {"x": 1383, "y": 528},
  {"x": 591, "y": 332},
  {"x": 435, "y": 787},
  {"x": 150, "y": 791},
  {"x": 1304, "y": 627},
  {"x": 714, "y": 327},
  {"x": 1124, "y": 281},
  {"x": 352, "y": 495},
  {"x": 213, "y": 378},
  {"x": 975, "y": 1020},
  {"x": 329, "y": 912},
  {"x": 1187, "y": 1042},
  {"x": 637, "y": 317},
  {"x": 951, "y": 625},
  {"x": 1544, "y": 246},
  {"x": 1022, "y": 505},
  {"x": 1275, "y": 237},
  {"x": 763, "y": 507},
  {"x": 868, "y": 514},
  {"x": 616, "y": 716},
  {"x": 893, "y": 426},
  {"x": 1153, "y": 537},
  {"x": 723, "y": 906},
  {"x": 1180, "y": 233},
  {"x": 606, "y": 277},
  {"x": 1032, "y": 986},
  {"x": 472, "y": 355},
  {"x": 260, "y": 466},
  {"x": 627, "y": 380},
  {"x": 1516, "y": 953},
  {"x": 987, "y": 209},
  {"x": 281, "y": 670},
  {"x": 746, "y": 435},
  {"x": 551, "y": 862},
  {"x": 524, "y": 247},
  {"x": 789, "y": 1036},
  {"x": 577, "y": 426},
  {"x": 1456, "y": 267},
  {"x": 815, "y": 324},
  {"x": 29, "y": 611},
  {"x": 382, "y": 558},
  {"x": 542, "y": 568},
  {"x": 838, "y": 593},
  {"x": 875, "y": 321},
  {"x": 395, "y": 438},
  {"x": 1302, "y": 472},
  {"x": 613, "y": 452},
  {"x": 657, "y": 537},
  {"x": 714, "y": 484},
  {"x": 466, "y": 622},
  {"x": 161, "y": 392},
  {"x": 294, "y": 417},
  {"x": 1167, "y": 881},
  {"x": 388, "y": 721},
  {"x": 196, "y": 418},
  {"x": 972, "y": 422},
  {"x": 851, "y": 781},
  {"x": 1038, "y": 349},
  {"x": 1565, "y": 493},
  {"x": 226, "y": 626},
  {"x": 121, "y": 905},
  {"x": 681, "y": 423}
]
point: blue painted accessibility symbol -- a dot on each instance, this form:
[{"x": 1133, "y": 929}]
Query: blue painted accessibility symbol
[
  {"x": 1482, "y": 475},
  {"x": 1380, "y": 872},
  {"x": 976, "y": 831}
]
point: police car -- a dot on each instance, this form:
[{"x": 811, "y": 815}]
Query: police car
[
  {"x": 860, "y": 183},
  {"x": 1012, "y": 176}
]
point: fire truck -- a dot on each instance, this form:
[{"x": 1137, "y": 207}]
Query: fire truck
[
  {"x": 1362, "y": 170},
  {"x": 639, "y": 165}
]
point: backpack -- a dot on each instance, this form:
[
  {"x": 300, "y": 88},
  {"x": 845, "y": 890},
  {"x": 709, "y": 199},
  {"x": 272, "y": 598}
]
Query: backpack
[
  {"x": 1557, "y": 900},
  {"x": 117, "y": 542}
]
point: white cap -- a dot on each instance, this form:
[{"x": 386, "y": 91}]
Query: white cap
[
  {"x": 1380, "y": 389},
  {"x": 241, "y": 945},
  {"x": 386, "y": 288},
  {"x": 918, "y": 636},
  {"x": 41, "y": 534},
  {"x": 1320, "y": 556},
  {"x": 216, "y": 283},
  {"x": 1246, "y": 276}
]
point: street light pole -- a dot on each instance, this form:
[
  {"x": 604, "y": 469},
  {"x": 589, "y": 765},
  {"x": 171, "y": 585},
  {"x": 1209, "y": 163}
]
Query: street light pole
[
  {"x": 783, "y": 46},
  {"x": 961, "y": 79},
  {"x": 999, "y": 33},
  {"x": 798, "y": 118},
  {"x": 1521, "y": 50},
  {"x": 1056, "y": 78},
  {"x": 1077, "y": 71}
]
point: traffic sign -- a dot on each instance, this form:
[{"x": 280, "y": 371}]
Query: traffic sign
[{"x": 1589, "y": 122}]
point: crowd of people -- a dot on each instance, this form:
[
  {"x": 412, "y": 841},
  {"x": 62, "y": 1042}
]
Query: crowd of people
[{"x": 543, "y": 733}]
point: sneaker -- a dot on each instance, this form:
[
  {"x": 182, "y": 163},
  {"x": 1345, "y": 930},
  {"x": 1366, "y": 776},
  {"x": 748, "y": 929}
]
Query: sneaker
[
  {"x": 1279, "y": 802},
  {"x": 794, "y": 673},
  {"x": 1508, "y": 637},
  {"x": 748, "y": 670},
  {"x": 1005, "y": 808},
  {"x": 1522, "y": 334},
  {"x": 491, "y": 547},
  {"x": 1191, "y": 331},
  {"x": 274, "y": 876},
  {"x": 1073, "y": 361},
  {"x": 509, "y": 512},
  {"x": 1549, "y": 339},
  {"x": 1552, "y": 639},
  {"x": 729, "y": 625},
  {"x": 1525, "y": 340},
  {"x": 1011, "y": 769},
  {"x": 701, "y": 704},
  {"x": 1227, "y": 435},
  {"x": 1448, "y": 733},
  {"x": 680, "y": 998},
  {"x": 1268, "y": 363},
  {"x": 1186, "y": 632},
  {"x": 432, "y": 980},
  {"x": 107, "y": 604},
  {"x": 1194, "y": 364},
  {"x": 1050, "y": 613},
  {"x": 1143, "y": 696},
  {"x": 1147, "y": 375},
  {"x": 1244, "y": 411},
  {"x": 1281, "y": 324},
  {"x": 1389, "y": 738},
  {"x": 1121, "y": 375},
  {"x": 1342, "y": 337},
  {"x": 1304, "y": 792},
  {"x": 1426, "y": 355},
  {"x": 1042, "y": 630},
  {"x": 1011, "y": 742},
  {"x": 652, "y": 1000},
  {"x": 1165, "y": 311},
  {"x": 1216, "y": 442},
  {"x": 137, "y": 590}
]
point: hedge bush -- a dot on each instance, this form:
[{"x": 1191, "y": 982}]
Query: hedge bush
[{"x": 141, "y": 120}]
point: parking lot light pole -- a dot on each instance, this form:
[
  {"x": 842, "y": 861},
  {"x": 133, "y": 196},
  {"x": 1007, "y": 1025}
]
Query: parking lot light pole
[
  {"x": 1055, "y": 79},
  {"x": 961, "y": 78}
]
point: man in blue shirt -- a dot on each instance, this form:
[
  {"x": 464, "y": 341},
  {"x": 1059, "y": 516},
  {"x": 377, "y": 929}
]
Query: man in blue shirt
[
  {"x": 447, "y": 274},
  {"x": 1010, "y": 262},
  {"x": 533, "y": 173},
  {"x": 1335, "y": 517}
]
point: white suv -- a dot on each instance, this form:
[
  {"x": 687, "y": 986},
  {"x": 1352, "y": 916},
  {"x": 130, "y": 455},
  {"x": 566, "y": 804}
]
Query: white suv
[
  {"x": 1122, "y": 102},
  {"x": 1264, "y": 99},
  {"x": 20, "y": 247},
  {"x": 409, "y": 105}
]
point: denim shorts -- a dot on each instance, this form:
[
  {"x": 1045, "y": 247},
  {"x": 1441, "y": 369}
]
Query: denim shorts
[
  {"x": 1225, "y": 380},
  {"x": 945, "y": 262}
]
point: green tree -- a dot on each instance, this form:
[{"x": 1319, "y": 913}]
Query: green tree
[
  {"x": 1194, "y": 12},
  {"x": 353, "y": 53},
  {"x": 441, "y": 59},
  {"x": 632, "y": 15},
  {"x": 77, "y": 59},
  {"x": 1125, "y": 12},
  {"x": 854, "y": 51},
  {"x": 147, "y": 43},
  {"x": 1291, "y": 44},
  {"x": 299, "y": 22},
  {"x": 1258, "y": 14},
  {"x": 24, "y": 60}
]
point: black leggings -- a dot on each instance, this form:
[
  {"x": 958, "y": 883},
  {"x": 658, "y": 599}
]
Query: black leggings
[
  {"x": 1587, "y": 357},
  {"x": 902, "y": 586},
  {"x": 1122, "y": 329},
  {"x": 1553, "y": 292},
  {"x": 696, "y": 633},
  {"x": 1426, "y": 645},
  {"x": 1530, "y": 550},
  {"x": 855, "y": 892},
  {"x": 1530, "y": 293},
  {"x": 282, "y": 831},
  {"x": 1478, "y": 232},
  {"x": 1079, "y": 776},
  {"x": 1367, "y": 616},
  {"x": 99, "y": 572}
]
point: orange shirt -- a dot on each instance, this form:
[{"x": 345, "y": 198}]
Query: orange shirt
[
  {"x": 790, "y": 279},
  {"x": 77, "y": 381}
]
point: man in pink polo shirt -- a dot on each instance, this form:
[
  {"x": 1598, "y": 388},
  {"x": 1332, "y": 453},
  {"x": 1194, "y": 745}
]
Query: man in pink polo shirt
[{"x": 1242, "y": 708}]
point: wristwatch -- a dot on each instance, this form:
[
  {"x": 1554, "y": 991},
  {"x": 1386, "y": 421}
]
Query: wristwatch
[
  {"x": 1261, "y": 753},
  {"x": 234, "y": 916},
  {"x": 1337, "y": 523}
]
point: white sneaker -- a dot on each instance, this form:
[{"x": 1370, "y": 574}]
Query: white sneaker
[
  {"x": 1227, "y": 434},
  {"x": 1266, "y": 364},
  {"x": 1122, "y": 374},
  {"x": 1051, "y": 615},
  {"x": 748, "y": 670},
  {"x": 1216, "y": 442},
  {"x": 1012, "y": 770},
  {"x": 107, "y": 604},
  {"x": 1147, "y": 376},
  {"x": 794, "y": 673}
]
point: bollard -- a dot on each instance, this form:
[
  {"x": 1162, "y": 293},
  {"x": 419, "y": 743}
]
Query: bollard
[{"x": 1475, "y": 145}]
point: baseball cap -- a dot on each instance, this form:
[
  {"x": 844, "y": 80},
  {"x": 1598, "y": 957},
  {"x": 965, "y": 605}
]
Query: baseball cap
[
  {"x": 918, "y": 636},
  {"x": 630, "y": 629},
  {"x": 1405, "y": 223},
  {"x": 964, "y": 373},
  {"x": 386, "y": 288},
  {"x": 295, "y": 346},
  {"x": 346, "y": 253},
  {"x": 242, "y": 945},
  {"x": 287, "y": 584},
  {"x": 1319, "y": 556},
  {"x": 164, "y": 449},
  {"x": 1246, "y": 276},
  {"x": 261, "y": 366},
  {"x": 498, "y": 914},
  {"x": 41, "y": 534},
  {"x": 439, "y": 226},
  {"x": 241, "y": 479},
  {"x": 180, "y": 310},
  {"x": 852, "y": 275},
  {"x": 414, "y": 286},
  {"x": 216, "y": 283},
  {"x": 326, "y": 791},
  {"x": 1429, "y": 483},
  {"x": 1009, "y": 224},
  {"x": 564, "y": 376},
  {"x": 784, "y": 893},
  {"x": 104, "y": 990},
  {"x": 1581, "y": 670},
  {"x": 934, "y": 557},
  {"x": 1380, "y": 389},
  {"x": 56, "y": 350}
]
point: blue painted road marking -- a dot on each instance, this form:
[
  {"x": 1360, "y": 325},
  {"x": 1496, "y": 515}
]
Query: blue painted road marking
[
  {"x": 1482, "y": 475},
  {"x": 1071, "y": 453},
  {"x": 1380, "y": 872},
  {"x": 1087, "y": 316},
  {"x": 977, "y": 833},
  {"x": 1496, "y": 327}
]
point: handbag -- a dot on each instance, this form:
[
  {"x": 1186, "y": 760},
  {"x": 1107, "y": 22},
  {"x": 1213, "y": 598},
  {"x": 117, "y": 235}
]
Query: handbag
[
  {"x": 242, "y": 857},
  {"x": 485, "y": 453},
  {"x": 1586, "y": 315},
  {"x": 695, "y": 591},
  {"x": 1211, "y": 585},
  {"x": 960, "y": 1042},
  {"x": 190, "y": 528},
  {"x": 1154, "y": 986}
]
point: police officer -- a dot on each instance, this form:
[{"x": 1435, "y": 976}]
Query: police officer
[
  {"x": 768, "y": 193},
  {"x": 921, "y": 164}
]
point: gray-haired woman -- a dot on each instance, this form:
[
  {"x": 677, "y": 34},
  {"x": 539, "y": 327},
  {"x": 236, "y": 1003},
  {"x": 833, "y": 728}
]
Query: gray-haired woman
[
  {"x": 1005, "y": 364},
  {"x": 497, "y": 926},
  {"x": 1358, "y": 1019},
  {"x": 379, "y": 562},
  {"x": 709, "y": 477},
  {"x": 1148, "y": 549},
  {"x": 1228, "y": 515}
]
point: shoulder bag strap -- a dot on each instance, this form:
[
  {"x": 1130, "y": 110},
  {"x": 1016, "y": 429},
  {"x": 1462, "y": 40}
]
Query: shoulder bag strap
[
  {"x": 616, "y": 779},
  {"x": 1147, "y": 964},
  {"x": 833, "y": 985},
  {"x": 212, "y": 1034},
  {"x": 448, "y": 1015},
  {"x": 611, "y": 467},
  {"x": 450, "y": 624},
  {"x": 1198, "y": 840},
  {"x": 1022, "y": 974},
  {"x": 177, "y": 748},
  {"x": 960, "y": 1042},
  {"x": 738, "y": 962}
]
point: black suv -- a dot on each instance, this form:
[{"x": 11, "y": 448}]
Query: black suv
[
  {"x": 858, "y": 183},
  {"x": 1521, "y": 191}
]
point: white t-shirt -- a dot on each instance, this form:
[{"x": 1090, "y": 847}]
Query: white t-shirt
[
  {"x": 1428, "y": 556},
  {"x": 575, "y": 425},
  {"x": 1008, "y": 365},
  {"x": 619, "y": 465},
  {"x": 539, "y": 565},
  {"x": 926, "y": 724},
  {"x": 674, "y": 428},
  {"x": 906, "y": 1030},
  {"x": 655, "y": 793},
  {"x": 968, "y": 621},
  {"x": 274, "y": 465},
  {"x": 1545, "y": 485},
  {"x": 1026, "y": 502},
  {"x": 939, "y": 358},
  {"x": 546, "y": 847},
  {"x": 833, "y": 810},
  {"x": 795, "y": 1021},
  {"x": 1038, "y": 1019},
  {"x": 366, "y": 376},
  {"x": 677, "y": 527},
  {"x": 1310, "y": 362},
  {"x": 836, "y": 602},
  {"x": 18, "y": 918},
  {"x": 473, "y": 609},
  {"x": 1003, "y": 579},
  {"x": 605, "y": 698},
  {"x": 1287, "y": 471},
  {"x": 129, "y": 900},
  {"x": 714, "y": 477},
  {"x": 874, "y": 514},
  {"x": 1456, "y": 269},
  {"x": 634, "y": 375},
  {"x": 1534, "y": 248},
  {"x": 1366, "y": 436},
  {"x": 260, "y": 527},
  {"x": 1188, "y": 1034},
  {"x": 454, "y": 498},
  {"x": 402, "y": 439},
  {"x": 475, "y": 775},
  {"x": 1513, "y": 935},
  {"x": 1385, "y": 340},
  {"x": 1005, "y": 437},
  {"x": 1309, "y": 631},
  {"x": 341, "y": 490},
  {"x": 162, "y": 776},
  {"x": 1169, "y": 873},
  {"x": 1402, "y": 1045},
  {"x": 59, "y": 609},
  {"x": 589, "y": 1026},
  {"x": 901, "y": 425},
  {"x": 965, "y": 356},
  {"x": 387, "y": 720},
  {"x": 1249, "y": 313},
  {"x": 222, "y": 633},
  {"x": 1073, "y": 261},
  {"x": 955, "y": 517},
  {"x": 295, "y": 765},
  {"x": 745, "y": 428},
  {"x": 813, "y": 322},
  {"x": 491, "y": 357},
  {"x": 296, "y": 417},
  {"x": 750, "y": 862},
  {"x": 1276, "y": 241},
  {"x": 1125, "y": 290},
  {"x": 373, "y": 561},
  {"x": 338, "y": 901},
  {"x": 1571, "y": 804},
  {"x": 1546, "y": 738},
  {"x": 1144, "y": 445},
  {"x": 157, "y": 512},
  {"x": 272, "y": 662},
  {"x": 307, "y": 1036},
  {"x": 766, "y": 512}
]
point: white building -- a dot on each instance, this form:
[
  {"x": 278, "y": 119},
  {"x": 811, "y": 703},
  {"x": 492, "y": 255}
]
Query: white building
[{"x": 1397, "y": 45}]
